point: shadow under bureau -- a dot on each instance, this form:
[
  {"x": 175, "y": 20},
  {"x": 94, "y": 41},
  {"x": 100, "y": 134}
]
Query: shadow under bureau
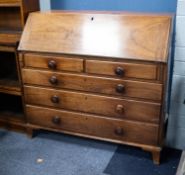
[{"x": 97, "y": 75}]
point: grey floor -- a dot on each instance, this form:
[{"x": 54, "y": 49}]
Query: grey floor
[
  {"x": 67, "y": 155},
  {"x": 62, "y": 155}
]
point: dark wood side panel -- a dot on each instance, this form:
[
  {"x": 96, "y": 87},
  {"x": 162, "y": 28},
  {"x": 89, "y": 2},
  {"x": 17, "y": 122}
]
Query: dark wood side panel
[
  {"x": 30, "y": 6},
  {"x": 130, "y": 70},
  {"x": 111, "y": 86},
  {"x": 54, "y": 62},
  {"x": 93, "y": 125},
  {"x": 96, "y": 104}
]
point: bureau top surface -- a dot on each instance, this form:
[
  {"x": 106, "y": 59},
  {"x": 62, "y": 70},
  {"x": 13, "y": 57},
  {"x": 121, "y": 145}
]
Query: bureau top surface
[{"x": 115, "y": 35}]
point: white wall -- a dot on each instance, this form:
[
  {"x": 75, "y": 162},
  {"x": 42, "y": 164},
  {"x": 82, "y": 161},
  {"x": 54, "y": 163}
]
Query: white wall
[
  {"x": 176, "y": 126},
  {"x": 45, "y": 5}
]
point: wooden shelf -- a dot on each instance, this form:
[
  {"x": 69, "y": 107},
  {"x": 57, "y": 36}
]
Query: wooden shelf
[
  {"x": 11, "y": 116},
  {"x": 10, "y": 22},
  {"x": 13, "y": 31},
  {"x": 13, "y": 14},
  {"x": 11, "y": 108},
  {"x": 12, "y": 121},
  {"x": 10, "y": 3},
  {"x": 9, "y": 81},
  {"x": 9, "y": 37},
  {"x": 10, "y": 86},
  {"x": 4, "y": 48}
]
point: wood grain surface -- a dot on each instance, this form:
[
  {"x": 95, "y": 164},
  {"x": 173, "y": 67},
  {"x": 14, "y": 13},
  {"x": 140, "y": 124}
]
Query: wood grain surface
[
  {"x": 95, "y": 104},
  {"x": 96, "y": 84},
  {"x": 138, "y": 37},
  {"x": 93, "y": 125}
]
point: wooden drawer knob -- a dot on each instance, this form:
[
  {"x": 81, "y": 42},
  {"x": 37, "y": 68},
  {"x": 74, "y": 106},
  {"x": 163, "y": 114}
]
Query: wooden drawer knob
[
  {"x": 119, "y": 131},
  {"x": 52, "y": 64},
  {"x": 119, "y": 71},
  {"x": 55, "y": 99},
  {"x": 56, "y": 120},
  {"x": 120, "y": 109},
  {"x": 120, "y": 88},
  {"x": 53, "y": 80}
]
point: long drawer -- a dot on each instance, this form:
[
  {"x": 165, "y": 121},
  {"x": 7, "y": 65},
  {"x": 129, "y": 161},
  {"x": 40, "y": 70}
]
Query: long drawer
[
  {"x": 93, "y": 125},
  {"x": 123, "y": 69},
  {"x": 110, "y": 86},
  {"x": 96, "y": 104},
  {"x": 54, "y": 62}
]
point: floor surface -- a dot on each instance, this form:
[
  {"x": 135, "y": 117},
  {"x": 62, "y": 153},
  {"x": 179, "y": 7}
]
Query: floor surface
[{"x": 58, "y": 154}]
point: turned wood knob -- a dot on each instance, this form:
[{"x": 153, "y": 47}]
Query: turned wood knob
[
  {"x": 56, "y": 120},
  {"x": 52, "y": 64},
  {"x": 55, "y": 99},
  {"x": 119, "y": 131},
  {"x": 120, "y": 109},
  {"x": 53, "y": 80},
  {"x": 120, "y": 88},
  {"x": 119, "y": 71}
]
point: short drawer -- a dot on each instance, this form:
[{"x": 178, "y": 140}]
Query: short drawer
[
  {"x": 95, "y": 104},
  {"x": 121, "y": 69},
  {"x": 54, "y": 62},
  {"x": 110, "y": 86},
  {"x": 93, "y": 125}
]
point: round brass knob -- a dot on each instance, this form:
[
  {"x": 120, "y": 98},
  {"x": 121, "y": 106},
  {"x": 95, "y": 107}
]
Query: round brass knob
[
  {"x": 120, "y": 88},
  {"x": 120, "y": 109},
  {"x": 53, "y": 80},
  {"x": 55, "y": 99},
  {"x": 52, "y": 64},
  {"x": 56, "y": 120},
  {"x": 119, "y": 71},
  {"x": 119, "y": 131}
]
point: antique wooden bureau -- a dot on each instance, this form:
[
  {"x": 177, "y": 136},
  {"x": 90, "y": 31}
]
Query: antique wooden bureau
[{"x": 97, "y": 75}]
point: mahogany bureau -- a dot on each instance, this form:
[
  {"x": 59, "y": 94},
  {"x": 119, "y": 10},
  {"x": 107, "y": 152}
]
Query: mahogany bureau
[{"x": 97, "y": 75}]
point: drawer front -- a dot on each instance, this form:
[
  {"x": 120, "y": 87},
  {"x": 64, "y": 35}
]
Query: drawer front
[
  {"x": 110, "y": 86},
  {"x": 54, "y": 63},
  {"x": 120, "y": 69},
  {"x": 108, "y": 106},
  {"x": 93, "y": 125}
]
